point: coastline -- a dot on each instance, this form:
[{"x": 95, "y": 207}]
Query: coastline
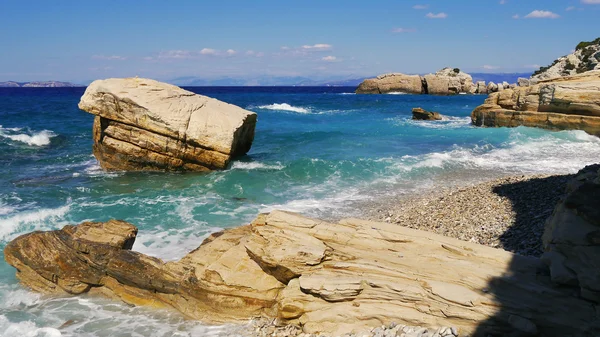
[{"x": 506, "y": 213}]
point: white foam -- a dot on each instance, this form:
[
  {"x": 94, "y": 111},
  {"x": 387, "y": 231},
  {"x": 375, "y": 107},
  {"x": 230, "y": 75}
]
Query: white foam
[
  {"x": 447, "y": 122},
  {"x": 256, "y": 166},
  {"x": 395, "y": 93},
  {"x": 284, "y": 107},
  {"x": 40, "y": 138},
  {"x": 30, "y": 220}
]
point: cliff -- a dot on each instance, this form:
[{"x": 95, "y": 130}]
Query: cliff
[
  {"x": 586, "y": 57},
  {"x": 563, "y": 103}
]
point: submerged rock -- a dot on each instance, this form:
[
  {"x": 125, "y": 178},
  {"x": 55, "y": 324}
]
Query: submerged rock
[
  {"x": 422, "y": 114},
  {"x": 142, "y": 124},
  {"x": 327, "y": 278},
  {"x": 565, "y": 103}
]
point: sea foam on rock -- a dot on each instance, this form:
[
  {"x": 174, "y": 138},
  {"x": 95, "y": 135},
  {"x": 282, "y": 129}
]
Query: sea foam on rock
[{"x": 142, "y": 124}]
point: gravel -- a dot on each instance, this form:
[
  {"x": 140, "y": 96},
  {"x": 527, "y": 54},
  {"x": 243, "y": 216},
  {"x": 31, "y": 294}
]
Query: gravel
[{"x": 507, "y": 213}]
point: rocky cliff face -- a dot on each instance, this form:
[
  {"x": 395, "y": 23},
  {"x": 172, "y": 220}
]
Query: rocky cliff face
[
  {"x": 143, "y": 124},
  {"x": 585, "y": 58},
  {"x": 563, "y": 103},
  {"x": 572, "y": 235},
  {"x": 325, "y": 277}
]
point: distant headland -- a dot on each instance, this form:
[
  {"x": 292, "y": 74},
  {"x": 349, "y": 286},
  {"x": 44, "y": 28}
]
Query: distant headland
[{"x": 38, "y": 84}]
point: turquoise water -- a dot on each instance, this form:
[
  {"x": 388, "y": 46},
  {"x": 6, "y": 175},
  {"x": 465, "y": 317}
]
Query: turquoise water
[{"x": 324, "y": 152}]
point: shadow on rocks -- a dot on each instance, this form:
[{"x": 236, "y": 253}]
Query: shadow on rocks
[{"x": 525, "y": 300}]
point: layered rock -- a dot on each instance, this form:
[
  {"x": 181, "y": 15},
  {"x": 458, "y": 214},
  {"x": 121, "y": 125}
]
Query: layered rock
[
  {"x": 572, "y": 235},
  {"x": 448, "y": 81},
  {"x": 422, "y": 114},
  {"x": 564, "y": 103},
  {"x": 325, "y": 277},
  {"x": 143, "y": 124},
  {"x": 586, "y": 57}
]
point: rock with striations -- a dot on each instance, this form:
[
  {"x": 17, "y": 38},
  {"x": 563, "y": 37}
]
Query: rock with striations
[
  {"x": 424, "y": 115},
  {"x": 142, "y": 124},
  {"x": 586, "y": 57},
  {"x": 481, "y": 87},
  {"x": 564, "y": 103},
  {"x": 328, "y": 278},
  {"x": 572, "y": 235}
]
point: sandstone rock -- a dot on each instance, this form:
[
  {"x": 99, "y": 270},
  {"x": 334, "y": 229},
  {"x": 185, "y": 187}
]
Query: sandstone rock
[
  {"x": 421, "y": 114},
  {"x": 492, "y": 87},
  {"x": 327, "y": 278},
  {"x": 143, "y": 124},
  {"x": 572, "y": 235},
  {"x": 481, "y": 87},
  {"x": 394, "y": 82},
  {"x": 561, "y": 104},
  {"x": 523, "y": 82},
  {"x": 448, "y": 81}
]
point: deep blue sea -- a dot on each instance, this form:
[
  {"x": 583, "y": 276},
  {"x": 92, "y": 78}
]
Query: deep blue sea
[{"x": 324, "y": 152}]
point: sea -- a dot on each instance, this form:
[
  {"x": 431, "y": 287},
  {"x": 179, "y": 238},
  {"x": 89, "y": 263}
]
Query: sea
[{"x": 321, "y": 151}]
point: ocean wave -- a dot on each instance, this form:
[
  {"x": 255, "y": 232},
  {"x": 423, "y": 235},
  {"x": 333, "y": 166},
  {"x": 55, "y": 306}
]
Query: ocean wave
[
  {"x": 30, "y": 220},
  {"x": 284, "y": 107},
  {"x": 253, "y": 165},
  {"x": 395, "y": 93},
  {"x": 40, "y": 138}
]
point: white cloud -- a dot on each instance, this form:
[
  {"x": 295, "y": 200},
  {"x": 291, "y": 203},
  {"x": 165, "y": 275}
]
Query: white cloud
[
  {"x": 502, "y": 2},
  {"x": 540, "y": 14},
  {"x": 516, "y": 16},
  {"x": 532, "y": 66},
  {"x": 441, "y": 15},
  {"x": 231, "y": 52},
  {"x": 175, "y": 54},
  {"x": 109, "y": 58},
  {"x": 590, "y": 2},
  {"x": 285, "y": 48},
  {"x": 329, "y": 58},
  {"x": 403, "y": 30},
  {"x": 488, "y": 67},
  {"x": 570, "y": 8},
  {"x": 208, "y": 51},
  {"x": 317, "y": 47},
  {"x": 420, "y": 6}
]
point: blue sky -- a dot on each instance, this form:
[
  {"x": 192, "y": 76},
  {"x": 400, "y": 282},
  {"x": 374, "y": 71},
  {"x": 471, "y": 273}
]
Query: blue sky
[{"x": 84, "y": 40}]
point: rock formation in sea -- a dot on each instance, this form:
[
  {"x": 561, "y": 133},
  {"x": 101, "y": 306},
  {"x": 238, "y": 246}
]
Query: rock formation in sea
[
  {"x": 447, "y": 81},
  {"x": 329, "y": 278},
  {"x": 422, "y": 114},
  {"x": 563, "y": 103},
  {"x": 142, "y": 124},
  {"x": 42, "y": 84},
  {"x": 586, "y": 57},
  {"x": 572, "y": 235}
]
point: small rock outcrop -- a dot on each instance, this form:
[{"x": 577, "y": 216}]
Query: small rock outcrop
[
  {"x": 327, "y": 278},
  {"x": 142, "y": 124},
  {"x": 448, "y": 81},
  {"x": 586, "y": 57},
  {"x": 572, "y": 235},
  {"x": 394, "y": 82},
  {"x": 564, "y": 103},
  {"x": 424, "y": 115}
]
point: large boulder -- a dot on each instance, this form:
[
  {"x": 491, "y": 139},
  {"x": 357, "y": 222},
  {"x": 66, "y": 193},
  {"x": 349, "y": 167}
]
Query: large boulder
[
  {"x": 448, "y": 81},
  {"x": 572, "y": 235},
  {"x": 393, "y": 82},
  {"x": 327, "y": 278},
  {"x": 142, "y": 124},
  {"x": 565, "y": 103}
]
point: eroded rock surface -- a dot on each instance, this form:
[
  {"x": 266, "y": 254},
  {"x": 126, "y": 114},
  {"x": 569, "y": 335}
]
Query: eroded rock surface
[
  {"x": 564, "y": 103},
  {"x": 142, "y": 124},
  {"x": 324, "y": 277},
  {"x": 422, "y": 114},
  {"x": 447, "y": 81},
  {"x": 572, "y": 235}
]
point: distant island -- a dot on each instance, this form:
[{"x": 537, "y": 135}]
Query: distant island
[{"x": 38, "y": 84}]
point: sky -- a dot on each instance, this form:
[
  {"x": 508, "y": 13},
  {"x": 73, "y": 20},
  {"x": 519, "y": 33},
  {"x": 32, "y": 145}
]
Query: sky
[{"x": 79, "y": 41}]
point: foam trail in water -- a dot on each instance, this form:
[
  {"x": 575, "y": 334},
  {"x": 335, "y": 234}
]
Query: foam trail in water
[
  {"x": 256, "y": 166},
  {"x": 29, "y": 220},
  {"x": 30, "y": 138},
  {"x": 284, "y": 107}
]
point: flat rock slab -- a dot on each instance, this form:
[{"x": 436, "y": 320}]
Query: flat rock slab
[
  {"x": 325, "y": 277},
  {"x": 142, "y": 124}
]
